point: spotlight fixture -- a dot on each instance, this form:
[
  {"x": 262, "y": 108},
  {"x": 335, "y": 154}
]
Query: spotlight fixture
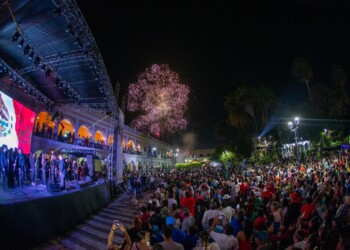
[
  {"x": 78, "y": 42},
  {"x": 69, "y": 29},
  {"x": 37, "y": 61},
  {"x": 31, "y": 55},
  {"x": 5, "y": 72},
  {"x": 57, "y": 81},
  {"x": 101, "y": 88},
  {"x": 15, "y": 36},
  {"x": 57, "y": 12},
  {"x": 48, "y": 72},
  {"x": 21, "y": 43},
  {"x": 26, "y": 88},
  {"x": 26, "y": 49}
]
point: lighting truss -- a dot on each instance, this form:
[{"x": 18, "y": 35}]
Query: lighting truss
[
  {"x": 87, "y": 52},
  {"x": 90, "y": 107},
  {"x": 15, "y": 75}
]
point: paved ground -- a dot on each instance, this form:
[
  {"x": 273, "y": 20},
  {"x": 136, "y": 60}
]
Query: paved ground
[{"x": 93, "y": 232}]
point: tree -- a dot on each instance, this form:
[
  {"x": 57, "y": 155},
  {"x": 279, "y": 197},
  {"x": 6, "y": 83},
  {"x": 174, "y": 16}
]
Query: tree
[
  {"x": 302, "y": 71},
  {"x": 249, "y": 108},
  {"x": 340, "y": 98},
  {"x": 160, "y": 100}
]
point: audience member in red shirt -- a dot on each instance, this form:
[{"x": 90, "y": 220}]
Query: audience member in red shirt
[
  {"x": 188, "y": 202},
  {"x": 260, "y": 220},
  {"x": 308, "y": 208}
]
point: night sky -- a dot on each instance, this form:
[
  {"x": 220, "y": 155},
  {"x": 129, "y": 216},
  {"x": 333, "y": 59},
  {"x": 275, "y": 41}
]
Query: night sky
[{"x": 218, "y": 45}]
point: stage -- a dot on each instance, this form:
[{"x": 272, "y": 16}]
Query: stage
[{"x": 33, "y": 215}]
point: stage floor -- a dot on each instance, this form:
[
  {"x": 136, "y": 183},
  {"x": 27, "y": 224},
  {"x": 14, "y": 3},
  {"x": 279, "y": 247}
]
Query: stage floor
[
  {"x": 31, "y": 192},
  {"x": 34, "y": 215}
]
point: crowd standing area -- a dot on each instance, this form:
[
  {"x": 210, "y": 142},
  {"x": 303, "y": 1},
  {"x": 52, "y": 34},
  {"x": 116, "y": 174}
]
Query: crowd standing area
[{"x": 283, "y": 205}]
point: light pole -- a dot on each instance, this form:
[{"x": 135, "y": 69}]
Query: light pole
[
  {"x": 153, "y": 150},
  {"x": 294, "y": 127},
  {"x": 176, "y": 154}
]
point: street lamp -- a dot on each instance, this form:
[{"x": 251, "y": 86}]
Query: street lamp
[
  {"x": 294, "y": 127},
  {"x": 152, "y": 153}
]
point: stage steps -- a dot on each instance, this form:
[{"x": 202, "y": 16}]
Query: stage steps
[{"x": 93, "y": 232}]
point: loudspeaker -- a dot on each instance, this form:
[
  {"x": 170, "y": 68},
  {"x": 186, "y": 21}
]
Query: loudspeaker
[{"x": 53, "y": 187}]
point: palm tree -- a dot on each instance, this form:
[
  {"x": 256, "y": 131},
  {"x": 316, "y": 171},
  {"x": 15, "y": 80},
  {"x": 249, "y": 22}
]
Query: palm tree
[
  {"x": 302, "y": 71},
  {"x": 339, "y": 96}
]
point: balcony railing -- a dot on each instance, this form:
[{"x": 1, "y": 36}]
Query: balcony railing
[
  {"x": 132, "y": 152},
  {"x": 76, "y": 141}
]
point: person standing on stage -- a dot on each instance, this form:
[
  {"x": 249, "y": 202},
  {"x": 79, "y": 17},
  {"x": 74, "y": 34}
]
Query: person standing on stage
[
  {"x": 12, "y": 153},
  {"x": 43, "y": 168},
  {"x": 32, "y": 164},
  {"x": 75, "y": 170},
  {"x": 62, "y": 168},
  {"x": 4, "y": 166},
  {"x": 20, "y": 166}
]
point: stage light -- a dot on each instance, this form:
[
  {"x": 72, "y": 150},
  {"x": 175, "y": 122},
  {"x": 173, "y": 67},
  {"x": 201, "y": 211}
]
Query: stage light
[
  {"x": 26, "y": 49},
  {"x": 101, "y": 88},
  {"x": 57, "y": 81},
  {"x": 57, "y": 12},
  {"x": 26, "y": 88},
  {"x": 48, "y": 72},
  {"x": 69, "y": 29},
  {"x": 6, "y": 72},
  {"x": 11, "y": 77},
  {"x": 78, "y": 42},
  {"x": 15, "y": 36},
  {"x": 37, "y": 61},
  {"x": 21, "y": 43},
  {"x": 31, "y": 55}
]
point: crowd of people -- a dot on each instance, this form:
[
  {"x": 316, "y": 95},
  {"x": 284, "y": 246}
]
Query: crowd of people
[
  {"x": 18, "y": 169},
  {"x": 283, "y": 205}
]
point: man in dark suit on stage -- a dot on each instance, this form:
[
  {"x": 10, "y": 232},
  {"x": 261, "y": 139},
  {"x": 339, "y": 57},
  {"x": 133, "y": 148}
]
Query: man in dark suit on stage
[
  {"x": 62, "y": 168},
  {"x": 4, "y": 165}
]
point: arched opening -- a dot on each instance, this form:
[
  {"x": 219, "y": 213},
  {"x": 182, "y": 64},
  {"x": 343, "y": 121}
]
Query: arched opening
[
  {"x": 84, "y": 132},
  {"x": 131, "y": 145},
  {"x": 123, "y": 146},
  {"x": 43, "y": 125},
  {"x": 99, "y": 137},
  {"x": 111, "y": 140},
  {"x": 65, "y": 128},
  {"x": 138, "y": 148}
]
